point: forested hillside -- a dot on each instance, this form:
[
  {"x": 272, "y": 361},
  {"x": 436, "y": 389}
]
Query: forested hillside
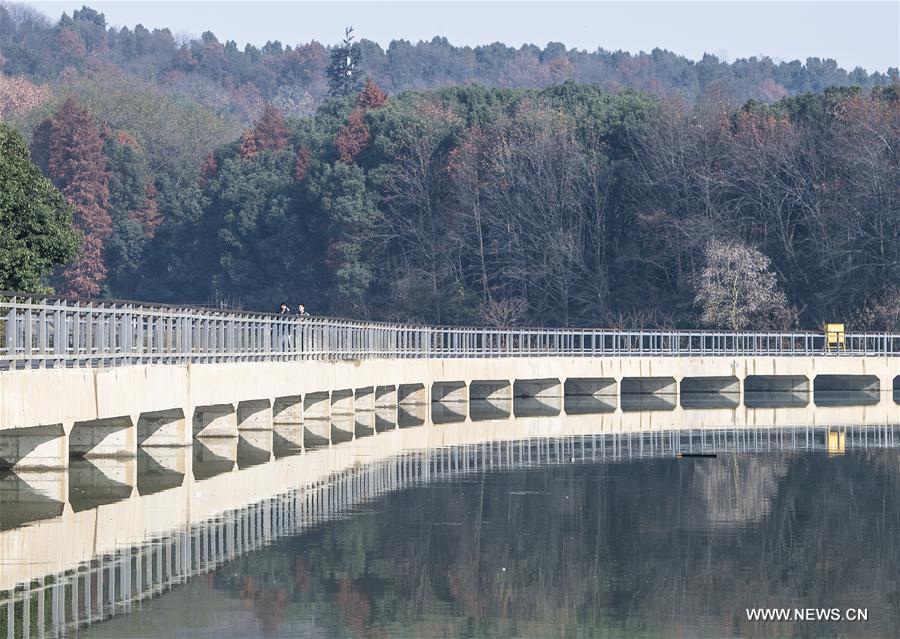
[
  {"x": 293, "y": 76},
  {"x": 624, "y": 198}
]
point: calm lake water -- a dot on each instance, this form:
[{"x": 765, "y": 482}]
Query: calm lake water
[{"x": 549, "y": 526}]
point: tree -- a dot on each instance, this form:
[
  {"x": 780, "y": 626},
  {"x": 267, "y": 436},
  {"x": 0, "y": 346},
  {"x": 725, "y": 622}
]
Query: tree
[
  {"x": 18, "y": 96},
  {"x": 133, "y": 209},
  {"x": 371, "y": 96},
  {"x": 36, "y": 232},
  {"x": 343, "y": 73},
  {"x": 72, "y": 147},
  {"x": 350, "y": 210},
  {"x": 736, "y": 289},
  {"x": 353, "y": 137},
  {"x": 270, "y": 132}
]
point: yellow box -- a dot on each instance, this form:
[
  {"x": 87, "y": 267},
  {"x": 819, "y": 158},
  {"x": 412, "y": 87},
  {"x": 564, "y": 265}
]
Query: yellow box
[
  {"x": 836, "y": 442},
  {"x": 834, "y": 336}
]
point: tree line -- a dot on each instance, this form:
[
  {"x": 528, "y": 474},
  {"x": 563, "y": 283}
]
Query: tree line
[
  {"x": 566, "y": 206},
  {"x": 223, "y": 77}
]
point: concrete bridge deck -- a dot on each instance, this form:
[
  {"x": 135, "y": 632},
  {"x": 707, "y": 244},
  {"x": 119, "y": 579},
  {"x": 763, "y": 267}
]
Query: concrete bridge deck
[
  {"x": 50, "y": 415},
  {"x": 89, "y": 378}
]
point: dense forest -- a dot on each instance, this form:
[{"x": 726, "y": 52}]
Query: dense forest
[{"x": 456, "y": 185}]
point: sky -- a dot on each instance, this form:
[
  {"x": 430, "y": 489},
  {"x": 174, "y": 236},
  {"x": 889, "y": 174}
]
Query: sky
[{"x": 865, "y": 34}]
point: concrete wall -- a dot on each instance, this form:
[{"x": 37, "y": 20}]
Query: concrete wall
[{"x": 113, "y": 411}]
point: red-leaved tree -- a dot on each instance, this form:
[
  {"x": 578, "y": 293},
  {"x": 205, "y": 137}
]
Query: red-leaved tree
[
  {"x": 371, "y": 97},
  {"x": 70, "y": 146},
  {"x": 270, "y": 132},
  {"x": 353, "y": 137}
]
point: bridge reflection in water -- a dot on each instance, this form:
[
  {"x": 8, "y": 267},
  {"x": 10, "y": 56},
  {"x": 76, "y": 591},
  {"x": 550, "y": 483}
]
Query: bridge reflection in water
[{"x": 83, "y": 545}]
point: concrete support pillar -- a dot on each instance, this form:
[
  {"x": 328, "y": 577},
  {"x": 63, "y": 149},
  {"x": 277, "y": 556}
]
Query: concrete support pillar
[
  {"x": 32, "y": 495},
  {"x": 219, "y": 420},
  {"x": 537, "y": 397},
  {"x": 549, "y": 388},
  {"x": 364, "y": 399},
  {"x": 113, "y": 437},
  {"x": 316, "y": 419},
  {"x": 343, "y": 428},
  {"x": 254, "y": 447},
  {"x": 342, "y": 402},
  {"x": 364, "y": 423},
  {"x": 411, "y": 414},
  {"x": 493, "y": 389},
  {"x": 449, "y": 402},
  {"x": 99, "y": 481},
  {"x": 386, "y": 418},
  {"x": 590, "y": 395},
  {"x": 254, "y": 414},
  {"x": 710, "y": 392},
  {"x": 214, "y": 456},
  {"x": 649, "y": 386},
  {"x": 448, "y": 412},
  {"x": 385, "y": 396},
  {"x": 412, "y": 394},
  {"x": 449, "y": 392},
  {"x": 317, "y": 406},
  {"x": 163, "y": 428},
  {"x": 590, "y": 387},
  {"x": 287, "y": 425},
  {"x": 161, "y": 468},
  {"x": 34, "y": 448}
]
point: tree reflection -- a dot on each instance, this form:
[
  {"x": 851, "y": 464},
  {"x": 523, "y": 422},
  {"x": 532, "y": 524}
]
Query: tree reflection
[{"x": 634, "y": 548}]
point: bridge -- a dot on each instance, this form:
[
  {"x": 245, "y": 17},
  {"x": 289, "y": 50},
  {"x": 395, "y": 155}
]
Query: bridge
[{"x": 87, "y": 378}]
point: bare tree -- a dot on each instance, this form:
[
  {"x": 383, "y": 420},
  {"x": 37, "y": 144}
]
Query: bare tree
[{"x": 736, "y": 289}]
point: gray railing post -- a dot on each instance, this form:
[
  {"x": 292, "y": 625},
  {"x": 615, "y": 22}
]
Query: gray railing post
[{"x": 12, "y": 331}]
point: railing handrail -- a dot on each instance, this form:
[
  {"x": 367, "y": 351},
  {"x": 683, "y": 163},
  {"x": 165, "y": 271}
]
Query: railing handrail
[{"x": 47, "y": 331}]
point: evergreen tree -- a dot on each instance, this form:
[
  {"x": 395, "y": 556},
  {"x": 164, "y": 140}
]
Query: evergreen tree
[
  {"x": 36, "y": 232},
  {"x": 134, "y": 213},
  {"x": 343, "y": 71}
]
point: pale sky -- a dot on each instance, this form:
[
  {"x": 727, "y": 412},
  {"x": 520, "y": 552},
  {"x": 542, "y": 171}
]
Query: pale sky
[{"x": 865, "y": 34}]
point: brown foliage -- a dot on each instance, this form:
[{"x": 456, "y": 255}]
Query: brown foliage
[
  {"x": 353, "y": 137},
  {"x": 70, "y": 44},
  {"x": 72, "y": 146},
  {"x": 301, "y": 166},
  {"x": 208, "y": 170},
  {"x": 148, "y": 215},
  {"x": 248, "y": 149},
  {"x": 270, "y": 132},
  {"x": 371, "y": 97},
  {"x": 18, "y": 96}
]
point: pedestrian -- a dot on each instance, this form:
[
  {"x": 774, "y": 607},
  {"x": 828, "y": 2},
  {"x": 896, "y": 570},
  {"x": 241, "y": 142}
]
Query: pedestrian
[
  {"x": 283, "y": 309},
  {"x": 301, "y": 310}
]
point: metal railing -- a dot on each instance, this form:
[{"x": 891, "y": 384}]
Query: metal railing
[{"x": 45, "y": 332}]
